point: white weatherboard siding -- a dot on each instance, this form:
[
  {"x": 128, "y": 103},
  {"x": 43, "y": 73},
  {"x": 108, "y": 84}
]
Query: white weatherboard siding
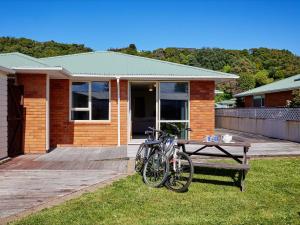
[{"x": 3, "y": 116}]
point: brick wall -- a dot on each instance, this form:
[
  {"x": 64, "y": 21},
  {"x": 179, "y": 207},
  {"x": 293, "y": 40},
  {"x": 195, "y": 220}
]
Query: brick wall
[
  {"x": 3, "y": 116},
  {"x": 249, "y": 101},
  {"x": 34, "y": 112},
  {"x": 277, "y": 99},
  {"x": 202, "y": 111},
  {"x": 67, "y": 133}
]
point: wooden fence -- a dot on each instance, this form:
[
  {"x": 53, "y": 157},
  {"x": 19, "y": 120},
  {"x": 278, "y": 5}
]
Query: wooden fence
[{"x": 282, "y": 123}]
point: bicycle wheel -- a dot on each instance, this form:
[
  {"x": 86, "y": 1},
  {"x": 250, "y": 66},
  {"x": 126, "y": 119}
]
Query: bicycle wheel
[
  {"x": 156, "y": 170},
  {"x": 180, "y": 179},
  {"x": 141, "y": 158}
]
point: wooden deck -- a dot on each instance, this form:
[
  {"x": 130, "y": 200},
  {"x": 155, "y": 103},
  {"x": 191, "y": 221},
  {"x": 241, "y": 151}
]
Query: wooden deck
[{"x": 31, "y": 180}]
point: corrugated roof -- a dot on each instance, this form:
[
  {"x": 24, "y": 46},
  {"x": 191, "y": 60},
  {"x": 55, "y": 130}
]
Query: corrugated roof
[
  {"x": 106, "y": 63},
  {"x": 289, "y": 83},
  {"x": 113, "y": 63},
  {"x": 16, "y": 59}
]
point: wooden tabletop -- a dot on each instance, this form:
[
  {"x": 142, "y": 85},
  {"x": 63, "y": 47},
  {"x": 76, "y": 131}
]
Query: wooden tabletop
[{"x": 197, "y": 142}]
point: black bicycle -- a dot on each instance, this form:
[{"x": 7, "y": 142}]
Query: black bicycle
[{"x": 166, "y": 164}]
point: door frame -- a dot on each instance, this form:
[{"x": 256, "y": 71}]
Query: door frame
[{"x": 129, "y": 112}]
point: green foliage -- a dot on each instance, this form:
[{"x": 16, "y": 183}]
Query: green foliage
[
  {"x": 271, "y": 197},
  {"x": 257, "y": 66},
  {"x": 246, "y": 82},
  {"x": 222, "y": 97},
  {"x": 39, "y": 49},
  {"x": 261, "y": 78},
  {"x": 295, "y": 102},
  {"x": 261, "y": 64}
]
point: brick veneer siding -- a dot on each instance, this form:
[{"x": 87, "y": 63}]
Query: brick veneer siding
[
  {"x": 248, "y": 101},
  {"x": 277, "y": 99},
  {"x": 34, "y": 112},
  {"x": 202, "y": 113},
  {"x": 67, "y": 133}
]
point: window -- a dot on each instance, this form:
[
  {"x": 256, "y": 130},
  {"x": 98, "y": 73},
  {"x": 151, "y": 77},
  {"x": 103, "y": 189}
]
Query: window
[
  {"x": 174, "y": 108},
  {"x": 259, "y": 101},
  {"x": 90, "y": 101}
]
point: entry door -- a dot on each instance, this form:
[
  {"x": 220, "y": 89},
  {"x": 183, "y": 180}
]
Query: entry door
[
  {"x": 143, "y": 108},
  {"x": 15, "y": 119}
]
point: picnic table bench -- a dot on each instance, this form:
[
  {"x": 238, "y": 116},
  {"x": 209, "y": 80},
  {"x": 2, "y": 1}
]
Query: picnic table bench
[{"x": 241, "y": 159}]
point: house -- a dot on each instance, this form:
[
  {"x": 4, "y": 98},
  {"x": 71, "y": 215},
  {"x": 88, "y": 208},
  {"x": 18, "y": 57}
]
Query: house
[
  {"x": 109, "y": 99},
  {"x": 230, "y": 103},
  {"x": 3, "y": 110},
  {"x": 275, "y": 94}
]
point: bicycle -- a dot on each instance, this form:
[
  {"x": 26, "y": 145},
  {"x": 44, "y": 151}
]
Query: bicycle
[{"x": 168, "y": 165}]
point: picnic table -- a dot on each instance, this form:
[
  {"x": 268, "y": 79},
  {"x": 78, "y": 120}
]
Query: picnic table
[{"x": 241, "y": 159}]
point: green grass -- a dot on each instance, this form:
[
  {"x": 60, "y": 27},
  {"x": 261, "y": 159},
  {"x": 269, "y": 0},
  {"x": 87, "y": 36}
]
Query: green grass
[{"x": 272, "y": 197}]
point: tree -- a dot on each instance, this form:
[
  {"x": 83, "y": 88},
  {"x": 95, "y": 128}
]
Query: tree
[
  {"x": 246, "y": 82},
  {"x": 261, "y": 78},
  {"x": 39, "y": 49},
  {"x": 295, "y": 102}
]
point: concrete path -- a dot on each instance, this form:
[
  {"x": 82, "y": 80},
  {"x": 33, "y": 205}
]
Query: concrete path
[
  {"x": 31, "y": 180},
  {"x": 260, "y": 146}
]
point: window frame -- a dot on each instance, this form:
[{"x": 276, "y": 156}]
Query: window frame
[
  {"x": 89, "y": 108},
  {"x": 262, "y": 100},
  {"x": 188, "y": 106}
]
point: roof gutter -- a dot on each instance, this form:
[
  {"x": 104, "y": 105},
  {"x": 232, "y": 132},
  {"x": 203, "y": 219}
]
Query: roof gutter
[
  {"x": 42, "y": 70},
  {"x": 265, "y": 92},
  {"x": 156, "y": 77}
]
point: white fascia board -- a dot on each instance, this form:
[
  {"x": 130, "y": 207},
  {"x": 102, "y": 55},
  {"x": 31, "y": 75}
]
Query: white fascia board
[
  {"x": 158, "y": 77},
  {"x": 6, "y": 70},
  {"x": 43, "y": 70},
  {"x": 266, "y": 92}
]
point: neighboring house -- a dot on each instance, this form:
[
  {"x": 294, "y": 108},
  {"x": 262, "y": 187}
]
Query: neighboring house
[
  {"x": 109, "y": 98},
  {"x": 231, "y": 103},
  {"x": 3, "y": 110},
  {"x": 275, "y": 94}
]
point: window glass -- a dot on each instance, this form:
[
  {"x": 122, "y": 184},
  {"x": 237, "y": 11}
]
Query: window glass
[
  {"x": 170, "y": 129},
  {"x": 174, "y": 109},
  {"x": 173, "y": 101},
  {"x": 100, "y": 100},
  {"x": 173, "y": 91},
  {"x": 258, "y": 101},
  {"x": 80, "y": 95},
  {"x": 80, "y": 115},
  {"x": 90, "y": 101},
  {"x": 174, "y": 106}
]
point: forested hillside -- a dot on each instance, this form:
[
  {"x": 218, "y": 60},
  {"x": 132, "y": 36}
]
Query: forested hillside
[
  {"x": 39, "y": 49},
  {"x": 256, "y": 66}
]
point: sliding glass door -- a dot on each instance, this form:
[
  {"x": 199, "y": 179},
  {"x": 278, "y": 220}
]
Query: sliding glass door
[{"x": 174, "y": 106}]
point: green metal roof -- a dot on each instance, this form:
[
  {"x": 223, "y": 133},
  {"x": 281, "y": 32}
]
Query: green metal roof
[
  {"x": 107, "y": 64},
  {"x": 113, "y": 63},
  {"x": 15, "y": 59},
  {"x": 289, "y": 83}
]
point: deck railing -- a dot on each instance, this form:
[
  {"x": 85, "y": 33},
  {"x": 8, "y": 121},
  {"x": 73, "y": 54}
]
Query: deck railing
[{"x": 262, "y": 113}]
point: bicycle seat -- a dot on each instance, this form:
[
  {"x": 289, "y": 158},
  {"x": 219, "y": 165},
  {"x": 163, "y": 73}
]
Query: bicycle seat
[
  {"x": 148, "y": 132},
  {"x": 155, "y": 142},
  {"x": 188, "y": 129}
]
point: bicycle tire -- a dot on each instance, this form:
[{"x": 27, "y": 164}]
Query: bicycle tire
[
  {"x": 156, "y": 169},
  {"x": 140, "y": 158},
  {"x": 180, "y": 180}
]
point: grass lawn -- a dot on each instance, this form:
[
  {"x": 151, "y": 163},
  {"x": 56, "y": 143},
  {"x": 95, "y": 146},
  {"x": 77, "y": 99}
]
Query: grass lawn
[{"x": 272, "y": 197}]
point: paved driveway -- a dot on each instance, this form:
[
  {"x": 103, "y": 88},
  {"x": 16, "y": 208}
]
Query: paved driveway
[{"x": 31, "y": 180}]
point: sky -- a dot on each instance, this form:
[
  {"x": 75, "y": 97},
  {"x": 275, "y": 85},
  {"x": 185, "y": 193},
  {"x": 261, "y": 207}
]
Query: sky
[{"x": 235, "y": 24}]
